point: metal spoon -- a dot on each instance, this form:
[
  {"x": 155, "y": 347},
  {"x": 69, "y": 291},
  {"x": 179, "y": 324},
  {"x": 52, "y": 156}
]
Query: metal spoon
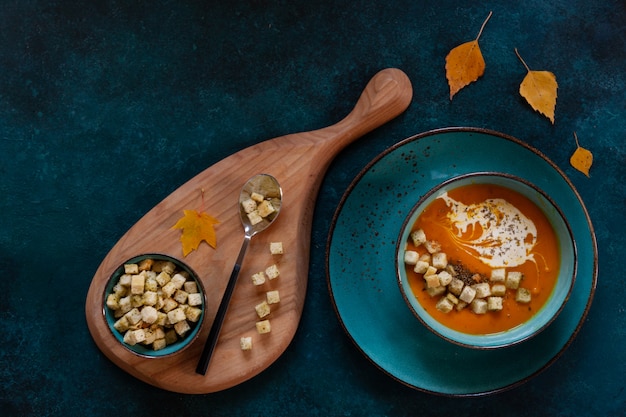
[{"x": 268, "y": 187}]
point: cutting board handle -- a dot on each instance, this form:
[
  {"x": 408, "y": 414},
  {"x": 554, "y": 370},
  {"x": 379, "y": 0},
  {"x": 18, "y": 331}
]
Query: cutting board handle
[{"x": 386, "y": 96}]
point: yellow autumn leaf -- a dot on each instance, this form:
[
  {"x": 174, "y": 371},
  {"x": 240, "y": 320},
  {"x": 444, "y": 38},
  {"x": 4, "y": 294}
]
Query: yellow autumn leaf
[
  {"x": 465, "y": 63},
  {"x": 582, "y": 158},
  {"x": 539, "y": 88},
  {"x": 196, "y": 226}
]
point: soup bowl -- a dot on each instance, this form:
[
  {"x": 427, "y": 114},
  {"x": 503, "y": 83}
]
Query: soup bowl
[
  {"x": 154, "y": 305},
  {"x": 500, "y": 306}
]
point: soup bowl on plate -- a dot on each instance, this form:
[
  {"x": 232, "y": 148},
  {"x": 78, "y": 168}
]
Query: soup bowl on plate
[{"x": 486, "y": 260}]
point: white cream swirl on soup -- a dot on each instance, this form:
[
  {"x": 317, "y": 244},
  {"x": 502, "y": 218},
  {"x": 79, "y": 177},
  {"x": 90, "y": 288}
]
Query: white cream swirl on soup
[{"x": 501, "y": 235}]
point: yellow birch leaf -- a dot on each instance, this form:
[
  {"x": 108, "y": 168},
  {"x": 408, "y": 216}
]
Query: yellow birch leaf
[
  {"x": 465, "y": 63},
  {"x": 196, "y": 227},
  {"x": 582, "y": 158},
  {"x": 539, "y": 88}
]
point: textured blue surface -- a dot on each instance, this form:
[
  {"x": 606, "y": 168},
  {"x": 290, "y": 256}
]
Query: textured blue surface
[{"x": 108, "y": 106}]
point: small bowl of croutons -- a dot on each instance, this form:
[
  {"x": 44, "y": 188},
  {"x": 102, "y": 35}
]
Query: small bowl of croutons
[
  {"x": 486, "y": 260},
  {"x": 154, "y": 305}
]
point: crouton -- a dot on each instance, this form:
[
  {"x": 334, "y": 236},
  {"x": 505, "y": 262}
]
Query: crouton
[
  {"x": 120, "y": 290},
  {"x": 440, "y": 260},
  {"x": 513, "y": 279},
  {"x": 498, "y": 290},
  {"x": 137, "y": 283},
  {"x": 431, "y": 271},
  {"x": 132, "y": 337},
  {"x": 258, "y": 278},
  {"x": 265, "y": 208},
  {"x": 497, "y": 275},
  {"x": 479, "y": 306},
  {"x": 435, "y": 291},
  {"x": 257, "y": 197},
  {"x": 248, "y": 205},
  {"x": 410, "y": 257},
  {"x": 113, "y": 301},
  {"x": 193, "y": 314},
  {"x": 273, "y": 297},
  {"x": 421, "y": 267},
  {"x": 151, "y": 283},
  {"x": 169, "y": 304},
  {"x": 444, "y": 278},
  {"x": 190, "y": 287},
  {"x": 494, "y": 303},
  {"x": 272, "y": 271},
  {"x": 254, "y": 217},
  {"x": 121, "y": 325},
  {"x": 125, "y": 304},
  {"x": 176, "y": 315},
  {"x": 171, "y": 336},
  {"x": 444, "y": 305},
  {"x": 456, "y": 286},
  {"x": 432, "y": 246},
  {"x": 467, "y": 294},
  {"x": 425, "y": 257},
  {"x": 182, "y": 327},
  {"x": 263, "y": 327},
  {"x": 194, "y": 299},
  {"x": 178, "y": 280},
  {"x": 125, "y": 280},
  {"x": 432, "y": 281},
  {"x": 523, "y": 295},
  {"x": 150, "y": 337},
  {"x": 168, "y": 267},
  {"x": 149, "y": 315},
  {"x": 453, "y": 299},
  {"x": 418, "y": 237},
  {"x": 133, "y": 316},
  {"x": 482, "y": 290},
  {"x": 245, "y": 343},
  {"x": 163, "y": 278},
  {"x": 180, "y": 296},
  {"x": 276, "y": 248},
  {"x": 159, "y": 344},
  {"x": 168, "y": 289},
  {"x": 262, "y": 309}
]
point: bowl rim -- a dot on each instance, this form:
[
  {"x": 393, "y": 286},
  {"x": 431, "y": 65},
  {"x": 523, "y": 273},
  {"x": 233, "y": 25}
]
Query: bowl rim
[
  {"x": 180, "y": 345},
  {"x": 504, "y": 344}
]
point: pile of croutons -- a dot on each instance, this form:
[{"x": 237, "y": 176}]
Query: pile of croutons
[
  {"x": 456, "y": 287},
  {"x": 155, "y": 304}
]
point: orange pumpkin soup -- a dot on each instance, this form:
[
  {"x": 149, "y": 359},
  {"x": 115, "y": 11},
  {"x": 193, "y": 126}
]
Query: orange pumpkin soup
[{"x": 481, "y": 228}]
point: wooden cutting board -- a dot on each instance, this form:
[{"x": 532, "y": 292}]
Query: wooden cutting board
[{"x": 299, "y": 162}]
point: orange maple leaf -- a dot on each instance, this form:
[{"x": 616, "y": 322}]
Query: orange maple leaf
[
  {"x": 465, "y": 63},
  {"x": 539, "y": 88},
  {"x": 582, "y": 158},
  {"x": 197, "y": 226}
]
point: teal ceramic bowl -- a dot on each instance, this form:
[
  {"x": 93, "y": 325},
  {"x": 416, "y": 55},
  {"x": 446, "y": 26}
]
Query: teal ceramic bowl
[
  {"x": 144, "y": 349},
  {"x": 555, "y": 302}
]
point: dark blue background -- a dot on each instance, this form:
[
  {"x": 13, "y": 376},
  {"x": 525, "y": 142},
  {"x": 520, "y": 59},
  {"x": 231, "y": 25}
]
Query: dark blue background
[{"x": 108, "y": 106}]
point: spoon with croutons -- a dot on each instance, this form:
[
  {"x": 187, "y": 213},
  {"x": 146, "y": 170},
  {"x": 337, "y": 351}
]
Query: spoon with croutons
[{"x": 260, "y": 202}]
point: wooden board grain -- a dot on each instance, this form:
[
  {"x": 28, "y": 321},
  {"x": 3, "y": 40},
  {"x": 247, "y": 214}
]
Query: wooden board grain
[{"x": 299, "y": 162}]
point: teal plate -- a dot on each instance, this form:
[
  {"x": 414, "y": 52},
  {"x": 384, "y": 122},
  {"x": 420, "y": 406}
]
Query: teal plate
[{"x": 360, "y": 263}]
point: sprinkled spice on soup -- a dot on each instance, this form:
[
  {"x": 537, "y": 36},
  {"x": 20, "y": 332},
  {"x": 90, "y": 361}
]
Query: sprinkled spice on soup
[{"x": 482, "y": 258}]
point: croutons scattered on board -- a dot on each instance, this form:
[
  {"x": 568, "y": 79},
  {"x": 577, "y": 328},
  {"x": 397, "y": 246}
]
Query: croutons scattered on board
[{"x": 263, "y": 308}]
